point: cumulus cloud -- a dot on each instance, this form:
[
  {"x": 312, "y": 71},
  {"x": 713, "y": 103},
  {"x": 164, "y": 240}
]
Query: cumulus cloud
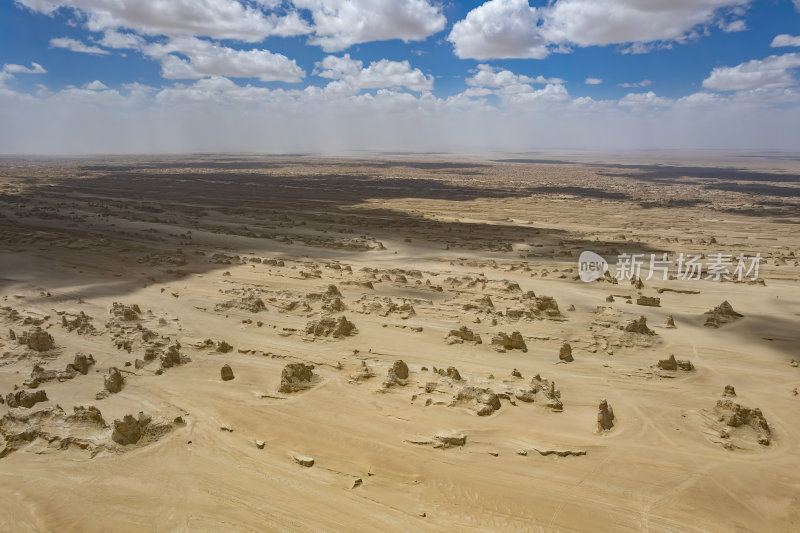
[
  {"x": 35, "y": 68},
  {"x": 218, "y": 114},
  {"x": 593, "y": 81},
  {"x": 785, "y": 39},
  {"x": 95, "y": 85},
  {"x": 772, "y": 72},
  {"x": 339, "y": 24},
  {"x": 499, "y": 29},
  {"x": 603, "y": 22},
  {"x": 206, "y": 58},
  {"x": 488, "y": 76},
  {"x": 9, "y": 69},
  {"x": 515, "y": 29},
  {"x": 350, "y": 76},
  {"x": 220, "y": 19},
  {"x": 76, "y": 46},
  {"x": 116, "y": 39},
  {"x": 648, "y": 99},
  {"x": 643, "y": 83}
]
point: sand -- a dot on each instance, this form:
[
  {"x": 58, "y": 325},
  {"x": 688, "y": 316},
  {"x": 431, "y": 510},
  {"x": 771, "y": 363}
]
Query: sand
[{"x": 170, "y": 268}]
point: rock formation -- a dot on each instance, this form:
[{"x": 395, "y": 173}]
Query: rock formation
[
  {"x": 720, "y": 315},
  {"x": 113, "y": 381},
  {"x": 503, "y": 341},
  {"x": 37, "y": 339},
  {"x": 484, "y": 401},
  {"x": 129, "y": 430},
  {"x": 674, "y": 364},
  {"x": 23, "y": 398},
  {"x": 461, "y": 335},
  {"x": 735, "y": 415},
  {"x": 331, "y": 327},
  {"x": 565, "y": 353},
  {"x": 296, "y": 377},
  {"x": 396, "y": 375},
  {"x": 605, "y": 416},
  {"x": 639, "y": 326}
]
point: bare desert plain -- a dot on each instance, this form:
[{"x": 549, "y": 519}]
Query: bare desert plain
[{"x": 396, "y": 342}]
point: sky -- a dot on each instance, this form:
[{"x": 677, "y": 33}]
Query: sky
[{"x": 341, "y": 76}]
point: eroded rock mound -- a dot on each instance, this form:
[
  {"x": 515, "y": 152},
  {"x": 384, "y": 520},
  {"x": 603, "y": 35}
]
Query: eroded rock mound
[
  {"x": 396, "y": 375},
  {"x": 23, "y": 398},
  {"x": 84, "y": 429},
  {"x": 172, "y": 356},
  {"x": 250, "y": 302},
  {"x": 125, "y": 312},
  {"x": 503, "y": 341},
  {"x": 363, "y": 373},
  {"x": 720, "y": 315},
  {"x": 129, "y": 430},
  {"x": 37, "y": 339},
  {"x": 81, "y": 363},
  {"x": 483, "y": 401},
  {"x": 226, "y": 373},
  {"x": 461, "y": 335},
  {"x": 543, "y": 387},
  {"x": 650, "y": 301},
  {"x": 735, "y": 415},
  {"x": 448, "y": 440},
  {"x": 565, "y": 353},
  {"x": 673, "y": 364},
  {"x": 39, "y": 374},
  {"x": 80, "y": 323},
  {"x": 639, "y": 325},
  {"x": 331, "y": 327},
  {"x": 113, "y": 381},
  {"x": 296, "y": 377},
  {"x": 605, "y": 416}
]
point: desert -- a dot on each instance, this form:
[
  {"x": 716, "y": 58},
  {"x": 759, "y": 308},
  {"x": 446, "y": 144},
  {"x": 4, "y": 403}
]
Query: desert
[{"x": 396, "y": 343}]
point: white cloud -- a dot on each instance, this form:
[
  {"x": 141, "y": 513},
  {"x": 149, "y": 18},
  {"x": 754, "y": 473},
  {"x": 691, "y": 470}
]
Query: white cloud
[
  {"x": 593, "y": 81},
  {"x": 217, "y": 89},
  {"x": 220, "y": 19},
  {"x": 231, "y": 117},
  {"x": 350, "y": 77},
  {"x": 499, "y": 29},
  {"x": 206, "y": 58},
  {"x": 96, "y": 85},
  {"x": 603, "y": 22},
  {"x": 488, "y": 76},
  {"x": 643, "y": 83},
  {"x": 771, "y": 72},
  {"x": 76, "y": 46},
  {"x": 785, "y": 40},
  {"x": 731, "y": 26},
  {"x": 339, "y": 24},
  {"x": 116, "y": 39},
  {"x": 9, "y": 69},
  {"x": 642, "y": 100},
  {"x": 701, "y": 99},
  {"x": 551, "y": 93},
  {"x": 35, "y": 68},
  {"x": 515, "y": 29}
]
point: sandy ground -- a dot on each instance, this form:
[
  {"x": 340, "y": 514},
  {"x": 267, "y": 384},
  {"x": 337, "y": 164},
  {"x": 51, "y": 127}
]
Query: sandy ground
[{"x": 413, "y": 245}]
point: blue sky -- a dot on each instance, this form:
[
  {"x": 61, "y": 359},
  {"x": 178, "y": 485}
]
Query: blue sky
[{"x": 442, "y": 62}]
